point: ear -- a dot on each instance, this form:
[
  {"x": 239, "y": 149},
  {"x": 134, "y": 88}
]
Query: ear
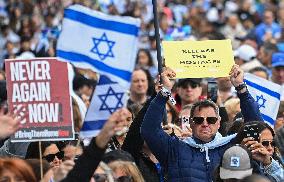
[{"x": 219, "y": 122}]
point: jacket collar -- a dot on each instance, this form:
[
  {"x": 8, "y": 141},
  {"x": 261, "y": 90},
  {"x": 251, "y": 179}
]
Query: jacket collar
[{"x": 218, "y": 141}]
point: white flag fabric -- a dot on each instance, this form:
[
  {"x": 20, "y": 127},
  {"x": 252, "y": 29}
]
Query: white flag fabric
[
  {"x": 107, "y": 98},
  {"x": 105, "y": 43},
  {"x": 267, "y": 94}
]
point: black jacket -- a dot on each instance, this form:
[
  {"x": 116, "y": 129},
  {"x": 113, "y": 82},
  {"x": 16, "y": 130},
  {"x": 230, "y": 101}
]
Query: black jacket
[
  {"x": 133, "y": 144},
  {"x": 86, "y": 164}
]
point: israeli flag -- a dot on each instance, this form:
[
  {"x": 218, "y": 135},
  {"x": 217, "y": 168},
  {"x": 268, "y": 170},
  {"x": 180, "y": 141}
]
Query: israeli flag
[
  {"x": 107, "y": 44},
  {"x": 267, "y": 94},
  {"x": 107, "y": 98}
]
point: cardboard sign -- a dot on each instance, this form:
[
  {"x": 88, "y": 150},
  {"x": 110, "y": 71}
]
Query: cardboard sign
[
  {"x": 41, "y": 86},
  {"x": 199, "y": 59}
]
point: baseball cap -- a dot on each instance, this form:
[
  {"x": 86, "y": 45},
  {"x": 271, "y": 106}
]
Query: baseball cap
[
  {"x": 277, "y": 59},
  {"x": 235, "y": 164},
  {"x": 188, "y": 81},
  {"x": 245, "y": 52}
]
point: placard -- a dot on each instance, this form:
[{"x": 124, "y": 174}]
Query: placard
[
  {"x": 199, "y": 59},
  {"x": 41, "y": 87}
]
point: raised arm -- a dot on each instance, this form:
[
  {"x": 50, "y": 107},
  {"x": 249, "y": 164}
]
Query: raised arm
[
  {"x": 92, "y": 155},
  {"x": 151, "y": 130},
  {"x": 249, "y": 107}
]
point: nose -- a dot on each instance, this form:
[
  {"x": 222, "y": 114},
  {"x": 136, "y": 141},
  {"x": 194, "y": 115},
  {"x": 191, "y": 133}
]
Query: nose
[
  {"x": 205, "y": 124},
  {"x": 56, "y": 160}
]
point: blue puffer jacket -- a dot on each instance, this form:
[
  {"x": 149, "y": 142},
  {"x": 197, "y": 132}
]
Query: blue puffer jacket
[{"x": 189, "y": 160}]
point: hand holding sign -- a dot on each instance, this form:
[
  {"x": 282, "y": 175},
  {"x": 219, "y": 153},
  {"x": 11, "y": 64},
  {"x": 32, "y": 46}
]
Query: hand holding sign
[
  {"x": 9, "y": 123},
  {"x": 236, "y": 75},
  {"x": 167, "y": 75}
]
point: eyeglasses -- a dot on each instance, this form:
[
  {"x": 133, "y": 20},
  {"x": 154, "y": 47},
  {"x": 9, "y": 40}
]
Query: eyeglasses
[
  {"x": 191, "y": 84},
  {"x": 100, "y": 177},
  {"x": 124, "y": 179},
  {"x": 199, "y": 120},
  {"x": 103, "y": 178},
  {"x": 267, "y": 143},
  {"x": 51, "y": 157}
]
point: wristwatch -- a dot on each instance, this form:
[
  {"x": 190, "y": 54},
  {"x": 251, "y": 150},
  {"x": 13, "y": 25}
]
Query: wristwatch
[
  {"x": 240, "y": 87},
  {"x": 166, "y": 93}
]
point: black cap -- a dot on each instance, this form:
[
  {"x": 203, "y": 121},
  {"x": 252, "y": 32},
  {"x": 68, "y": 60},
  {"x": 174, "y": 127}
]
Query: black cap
[{"x": 186, "y": 81}]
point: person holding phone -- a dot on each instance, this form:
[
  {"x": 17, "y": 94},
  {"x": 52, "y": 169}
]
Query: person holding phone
[
  {"x": 258, "y": 137},
  {"x": 194, "y": 158}
]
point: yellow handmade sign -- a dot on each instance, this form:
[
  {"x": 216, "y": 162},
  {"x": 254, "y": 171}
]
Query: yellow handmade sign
[{"x": 199, "y": 59}]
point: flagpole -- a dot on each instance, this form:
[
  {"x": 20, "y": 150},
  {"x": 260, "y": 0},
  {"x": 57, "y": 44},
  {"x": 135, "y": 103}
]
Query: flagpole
[{"x": 157, "y": 36}]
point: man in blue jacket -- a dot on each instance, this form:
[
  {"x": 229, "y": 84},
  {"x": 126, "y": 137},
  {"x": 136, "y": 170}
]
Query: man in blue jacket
[{"x": 194, "y": 159}]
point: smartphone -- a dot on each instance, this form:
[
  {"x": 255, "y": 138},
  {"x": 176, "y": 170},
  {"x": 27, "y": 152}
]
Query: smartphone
[
  {"x": 212, "y": 91},
  {"x": 185, "y": 122},
  {"x": 252, "y": 131}
]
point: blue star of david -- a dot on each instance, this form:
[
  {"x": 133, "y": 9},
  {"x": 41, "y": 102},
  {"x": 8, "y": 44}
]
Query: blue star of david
[
  {"x": 103, "y": 54},
  {"x": 109, "y": 103},
  {"x": 261, "y": 101}
]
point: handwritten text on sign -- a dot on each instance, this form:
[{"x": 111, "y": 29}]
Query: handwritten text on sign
[{"x": 199, "y": 59}]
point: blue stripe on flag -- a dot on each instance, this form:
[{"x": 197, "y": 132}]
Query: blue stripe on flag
[
  {"x": 125, "y": 75},
  {"x": 100, "y": 23},
  {"x": 263, "y": 89},
  {"x": 93, "y": 125},
  {"x": 268, "y": 119}
]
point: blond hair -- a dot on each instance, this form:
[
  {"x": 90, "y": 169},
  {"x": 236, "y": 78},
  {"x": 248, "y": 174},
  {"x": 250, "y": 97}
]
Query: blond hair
[
  {"x": 232, "y": 107},
  {"x": 128, "y": 168}
]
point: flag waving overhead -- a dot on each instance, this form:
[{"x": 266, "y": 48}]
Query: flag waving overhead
[
  {"x": 107, "y": 44},
  {"x": 107, "y": 98},
  {"x": 267, "y": 94}
]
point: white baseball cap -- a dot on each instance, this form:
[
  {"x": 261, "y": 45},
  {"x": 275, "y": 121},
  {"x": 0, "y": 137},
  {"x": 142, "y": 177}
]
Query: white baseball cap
[{"x": 245, "y": 52}]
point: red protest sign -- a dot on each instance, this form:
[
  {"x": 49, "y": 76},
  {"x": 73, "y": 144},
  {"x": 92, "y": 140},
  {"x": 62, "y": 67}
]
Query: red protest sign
[{"x": 41, "y": 86}]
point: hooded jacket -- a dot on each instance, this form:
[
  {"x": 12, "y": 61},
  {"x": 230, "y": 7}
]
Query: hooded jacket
[{"x": 190, "y": 160}]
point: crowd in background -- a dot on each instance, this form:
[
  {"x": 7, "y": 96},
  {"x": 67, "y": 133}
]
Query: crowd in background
[{"x": 30, "y": 28}]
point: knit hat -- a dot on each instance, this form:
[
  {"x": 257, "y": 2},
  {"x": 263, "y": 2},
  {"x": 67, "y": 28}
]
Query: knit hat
[{"x": 235, "y": 164}]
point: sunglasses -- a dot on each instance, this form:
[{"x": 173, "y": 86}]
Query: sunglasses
[
  {"x": 100, "y": 177},
  {"x": 200, "y": 120},
  {"x": 51, "y": 157},
  {"x": 191, "y": 84},
  {"x": 103, "y": 178},
  {"x": 124, "y": 179},
  {"x": 267, "y": 143}
]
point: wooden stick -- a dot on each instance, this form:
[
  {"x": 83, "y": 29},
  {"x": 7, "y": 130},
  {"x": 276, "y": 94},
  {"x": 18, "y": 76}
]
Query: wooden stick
[{"x": 40, "y": 160}]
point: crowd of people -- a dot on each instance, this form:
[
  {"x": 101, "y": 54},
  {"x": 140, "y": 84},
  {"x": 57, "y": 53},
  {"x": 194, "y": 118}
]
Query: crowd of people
[{"x": 150, "y": 139}]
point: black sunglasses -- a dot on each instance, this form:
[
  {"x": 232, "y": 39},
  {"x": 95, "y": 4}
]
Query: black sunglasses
[
  {"x": 100, "y": 177},
  {"x": 103, "y": 178},
  {"x": 191, "y": 84},
  {"x": 51, "y": 157},
  {"x": 200, "y": 120},
  {"x": 267, "y": 143},
  {"x": 124, "y": 179}
]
